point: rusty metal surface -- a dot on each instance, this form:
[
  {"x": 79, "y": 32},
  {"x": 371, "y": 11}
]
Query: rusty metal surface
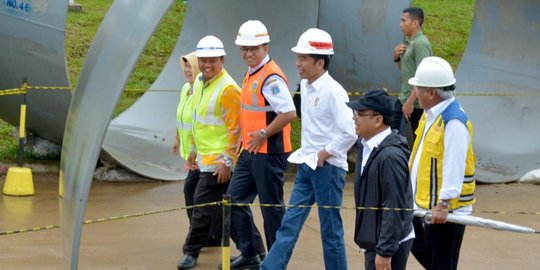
[
  {"x": 107, "y": 67},
  {"x": 501, "y": 57}
]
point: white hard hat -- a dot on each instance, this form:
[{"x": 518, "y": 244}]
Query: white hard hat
[
  {"x": 252, "y": 33},
  {"x": 314, "y": 41},
  {"x": 210, "y": 46},
  {"x": 433, "y": 71}
]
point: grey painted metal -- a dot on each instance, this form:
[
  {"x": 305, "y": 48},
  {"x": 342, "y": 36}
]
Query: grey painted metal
[
  {"x": 364, "y": 34},
  {"x": 32, "y": 46},
  {"x": 140, "y": 138},
  {"x": 502, "y": 57},
  {"x": 116, "y": 48}
]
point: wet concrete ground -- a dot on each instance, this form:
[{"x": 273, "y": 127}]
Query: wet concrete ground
[{"x": 155, "y": 241}]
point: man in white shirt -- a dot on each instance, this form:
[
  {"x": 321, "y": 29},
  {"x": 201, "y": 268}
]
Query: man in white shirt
[
  {"x": 327, "y": 134},
  {"x": 381, "y": 181},
  {"x": 442, "y": 165}
]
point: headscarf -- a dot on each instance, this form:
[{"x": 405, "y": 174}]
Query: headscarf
[{"x": 192, "y": 59}]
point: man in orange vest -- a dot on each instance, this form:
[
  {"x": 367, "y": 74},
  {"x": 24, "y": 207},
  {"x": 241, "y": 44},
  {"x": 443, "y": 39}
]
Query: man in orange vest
[{"x": 267, "y": 110}]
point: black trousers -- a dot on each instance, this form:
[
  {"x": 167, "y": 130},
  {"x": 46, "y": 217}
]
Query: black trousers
[
  {"x": 204, "y": 219},
  {"x": 437, "y": 246},
  {"x": 399, "y": 259},
  {"x": 262, "y": 175},
  {"x": 190, "y": 184}
]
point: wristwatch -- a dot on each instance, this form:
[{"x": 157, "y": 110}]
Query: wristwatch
[
  {"x": 263, "y": 133},
  {"x": 227, "y": 162},
  {"x": 445, "y": 203}
]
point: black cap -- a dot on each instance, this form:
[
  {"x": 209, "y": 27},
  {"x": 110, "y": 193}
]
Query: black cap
[{"x": 376, "y": 100}]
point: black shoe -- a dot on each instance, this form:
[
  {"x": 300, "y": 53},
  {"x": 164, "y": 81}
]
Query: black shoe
[
  {"x": 234, "y": 265},
  {"x": 187, "y": 262},
  {"x": 242, "y": 262},
  {"x": 261, "y": 257}
]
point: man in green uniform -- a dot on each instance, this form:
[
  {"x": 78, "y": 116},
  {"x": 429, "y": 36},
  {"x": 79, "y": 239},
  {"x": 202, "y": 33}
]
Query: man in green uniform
[{"x": 408, "y": 56}]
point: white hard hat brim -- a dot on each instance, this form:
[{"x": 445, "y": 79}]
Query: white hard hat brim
[
  {"x": 302, "y": 50},
  {"x": 210, "y": 54},
  {"x": 414, "y": 82},
  {"x": 250, "y": 43}
]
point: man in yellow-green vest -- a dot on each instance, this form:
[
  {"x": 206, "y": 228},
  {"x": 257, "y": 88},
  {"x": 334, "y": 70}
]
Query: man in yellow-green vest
[
  {"x": 215, "y": 135},
  {"x": 442, "y": 165}
]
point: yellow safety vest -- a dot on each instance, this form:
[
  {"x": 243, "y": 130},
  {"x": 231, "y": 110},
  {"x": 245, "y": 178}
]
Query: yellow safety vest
[
  {"x": 429, "y": 180},
  {"x": 184, "y": 120},
  {"x": 209, "y": 130}
]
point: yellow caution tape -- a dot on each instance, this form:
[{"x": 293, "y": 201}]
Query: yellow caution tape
[
  {"x": 17, "y": 91},
  {"x": 140, "y": 214}
]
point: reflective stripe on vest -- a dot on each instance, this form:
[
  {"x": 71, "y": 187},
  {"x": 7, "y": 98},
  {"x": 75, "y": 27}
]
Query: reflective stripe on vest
[
  {"x": 256, "y": 108},
  {"x": 429, "y": 179},
  {"x": 183, "y": 126}
]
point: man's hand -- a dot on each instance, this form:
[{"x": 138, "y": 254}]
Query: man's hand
[
  {"x": 439, "y": 214},
  {"x": 322, "y": 157},
  {"x": 407, "y": 109},
  {"x": 223, "y": 173},
  {"x": 174, "y": 147},
  {"x": 399, "y": 50},
  {"x": 239, "y": 146},
  {"x": 191, "y": 161},
  {"x": 383, "y": 263},
  {"x": 255, "y": 141}
]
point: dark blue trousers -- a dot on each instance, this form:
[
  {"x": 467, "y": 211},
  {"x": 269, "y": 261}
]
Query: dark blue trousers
[{"x": 257, "y": 175}]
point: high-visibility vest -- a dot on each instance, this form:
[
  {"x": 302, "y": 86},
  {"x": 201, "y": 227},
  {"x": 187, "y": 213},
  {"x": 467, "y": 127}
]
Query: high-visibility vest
[
  {"x": 429, "y": 180},
  {"x": 209, "y": 130},
  {"x": 256, "y": 113},
  {"x": 184, "y": 120}
]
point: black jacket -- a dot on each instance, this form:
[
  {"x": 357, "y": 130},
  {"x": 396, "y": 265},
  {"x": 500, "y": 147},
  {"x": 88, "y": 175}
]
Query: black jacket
[{"x": 385, "y": 182}]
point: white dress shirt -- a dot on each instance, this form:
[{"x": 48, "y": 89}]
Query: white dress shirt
[
  {"x": 457, "y": 138},
  {"x": 326, "y": 123},
  {"x": 275, "y": 91}
]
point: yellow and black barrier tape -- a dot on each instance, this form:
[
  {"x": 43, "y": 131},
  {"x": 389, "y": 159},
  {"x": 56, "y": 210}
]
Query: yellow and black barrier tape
[
  {"x": 218, "y": 203},
  {"x": 18, "y": 91},
  {"x": 35, "y": 229}
]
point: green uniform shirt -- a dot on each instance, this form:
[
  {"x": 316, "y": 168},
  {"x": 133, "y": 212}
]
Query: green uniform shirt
[{"x": 418, "y": 48}]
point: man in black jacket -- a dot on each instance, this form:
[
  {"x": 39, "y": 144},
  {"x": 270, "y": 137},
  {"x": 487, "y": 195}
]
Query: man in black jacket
[{"x": 381, "y": 181}]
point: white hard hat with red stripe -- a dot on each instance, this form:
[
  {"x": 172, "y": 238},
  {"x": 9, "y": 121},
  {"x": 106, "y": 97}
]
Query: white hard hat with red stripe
[
  {"x": 314, "y": 41},
  {"x": 252, "y": 33},
  {"x": 210, "y": 46}
]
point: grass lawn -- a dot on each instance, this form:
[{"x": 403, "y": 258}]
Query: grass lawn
[{"x": 447, "y": 25}]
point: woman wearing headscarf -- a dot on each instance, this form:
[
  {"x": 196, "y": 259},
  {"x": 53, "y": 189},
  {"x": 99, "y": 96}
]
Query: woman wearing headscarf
[{"x": 184, "y": 114}]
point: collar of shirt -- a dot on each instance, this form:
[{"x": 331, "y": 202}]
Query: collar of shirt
[
  {"x": 434, "y": 112},
  {"x": 377, "y": 139},
  {"x": 264, "y": 61},
  {"x": 318, "y": 83},
  {"x": 207, "y": 83},
  {"x": 409, "y": 40}
]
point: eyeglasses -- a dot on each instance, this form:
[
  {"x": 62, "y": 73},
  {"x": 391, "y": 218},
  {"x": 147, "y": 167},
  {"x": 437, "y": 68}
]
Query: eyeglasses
[
  {"x": 358, "y": 115},
  {"x": 253, "y": 49}
]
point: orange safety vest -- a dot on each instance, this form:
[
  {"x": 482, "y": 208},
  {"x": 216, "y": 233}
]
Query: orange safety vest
[{"x": 256, "y": 113}]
